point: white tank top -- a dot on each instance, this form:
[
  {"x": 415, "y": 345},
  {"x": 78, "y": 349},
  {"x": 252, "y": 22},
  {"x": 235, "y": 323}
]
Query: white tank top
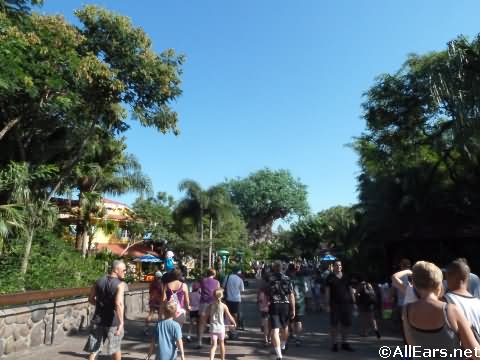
[{"x": 470, "y": 306}]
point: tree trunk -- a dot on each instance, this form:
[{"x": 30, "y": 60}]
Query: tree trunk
[
  {"x": 85, "y": 243},
  {"x": 210, "y": 245},
  {"x": 80, "y": 231},
  {"x": 7, "y": 127},
  {"x": 260, "y": 230},
  {"x": 26, "y": 254},
  {"x": 81, "y": 228}
]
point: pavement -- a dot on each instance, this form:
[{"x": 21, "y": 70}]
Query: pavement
[{"x": 249, "y": 346}]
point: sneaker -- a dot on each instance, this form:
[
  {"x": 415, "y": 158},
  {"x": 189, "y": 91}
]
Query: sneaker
[
  {"x": 298, "y": 342},
  {"x": 146, "y": 332},
  {"x": 378, "y": 334},
  {"x": 188, "y": 339},
  {"x": 285, "y": 348},
  {"x": 335, "y": 348},
  {"x": 347, "y": 347}
]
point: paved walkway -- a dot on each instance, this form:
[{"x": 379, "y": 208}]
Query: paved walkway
[{"x": 248, "y": 347}]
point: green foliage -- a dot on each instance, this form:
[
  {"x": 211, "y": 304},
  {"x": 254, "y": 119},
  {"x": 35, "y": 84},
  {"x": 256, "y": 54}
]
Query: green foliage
[
  {"x": 156, "y": 214},
  {"x": 54, "y": 264},
  {"x": 266, "y": 196},
  {"x": 419, "y": 184}
]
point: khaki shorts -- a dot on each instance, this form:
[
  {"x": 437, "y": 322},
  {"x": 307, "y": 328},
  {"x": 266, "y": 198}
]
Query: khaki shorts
[
  {"x": 103, "y": 335},
  {"x": 203, "y": 308}
]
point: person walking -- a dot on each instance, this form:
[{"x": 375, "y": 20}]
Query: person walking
[
  {"x": 208, "y": 285},
  {"x": 341, "y": 298},
  {"x": 155, "y": 292},
  {"x": 433, "y": 324},
  {"x": 194, "y": 307},
  {"x": 168, "y": 336},
  {"x": 282, "y": 307},
  {"x": 233, "y": 285},
  {"x": 263, "y": 307},
  {"x": 300, "y": 287},
  {"x": 176, "y": 291},
  {"x": 217, "y": 312},
  {"x": 458, "y": 273},
  {"x": 366, "y": 299},
  {"x": 107, "y": 324}
]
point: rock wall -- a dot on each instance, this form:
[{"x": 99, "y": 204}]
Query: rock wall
[{"x": 22, "y": 328}]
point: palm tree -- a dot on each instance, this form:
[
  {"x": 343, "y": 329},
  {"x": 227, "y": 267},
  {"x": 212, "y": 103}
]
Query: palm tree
[
  {"x": 108, "y": 170},
  {"x": 193, "y": 206},
  {"x": 213, "y": 203},
  {"x": 219, "y": 207},
  {"x": 11, "y": 220},
  {"x": 33, "y": 210}
]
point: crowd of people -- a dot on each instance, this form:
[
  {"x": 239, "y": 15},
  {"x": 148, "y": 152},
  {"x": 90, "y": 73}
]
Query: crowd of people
[{"x": 436, "y": 307}]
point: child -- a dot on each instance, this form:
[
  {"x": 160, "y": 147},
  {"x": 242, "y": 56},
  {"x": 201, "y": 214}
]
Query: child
[
  {"x": 155, "y": 300},
  {"x": 217, "y": 326},
  {"x": 366, "y": 300},
  {"x": 263, "y": 306},
  {"x": 194, "y": 307},
  {"x": 168, "y": 336}
]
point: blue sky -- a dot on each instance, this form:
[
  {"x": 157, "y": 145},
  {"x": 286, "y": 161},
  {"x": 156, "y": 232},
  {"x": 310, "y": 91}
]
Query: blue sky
[{"x": 278, "y": 84}]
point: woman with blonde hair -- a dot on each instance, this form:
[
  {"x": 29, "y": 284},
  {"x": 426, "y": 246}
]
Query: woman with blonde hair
[
  {"x": 433, "y": 324},
  {"x": 217, "y": 325}
]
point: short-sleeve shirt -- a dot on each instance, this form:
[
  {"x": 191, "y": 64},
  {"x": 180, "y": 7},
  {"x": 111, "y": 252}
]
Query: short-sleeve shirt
[
  {"x": 207, "y": 288},
  {"x": 234, "y": 287},
  {"x": 340, "y": 289},
  {"x": 167, "y": 333},
  {"x": 279, "y": 288}
]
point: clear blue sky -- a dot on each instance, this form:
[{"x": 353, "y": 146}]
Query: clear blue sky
[{"x": 271, "y": 83}]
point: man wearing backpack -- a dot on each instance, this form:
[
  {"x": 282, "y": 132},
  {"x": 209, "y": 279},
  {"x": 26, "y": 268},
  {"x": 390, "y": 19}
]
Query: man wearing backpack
[{"x": 282, "y": 307}]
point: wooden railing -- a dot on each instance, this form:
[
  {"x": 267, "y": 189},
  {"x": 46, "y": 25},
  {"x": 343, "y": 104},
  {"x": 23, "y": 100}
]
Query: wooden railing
[{"x": 25, "y": 298}]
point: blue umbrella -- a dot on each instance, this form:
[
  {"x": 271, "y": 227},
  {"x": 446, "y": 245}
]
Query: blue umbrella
[
  {"x": 328, "y": 257},
  {"x": 148, "y": 258}
]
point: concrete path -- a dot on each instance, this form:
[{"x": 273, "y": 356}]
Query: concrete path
[{"x": 248, "y": 347}]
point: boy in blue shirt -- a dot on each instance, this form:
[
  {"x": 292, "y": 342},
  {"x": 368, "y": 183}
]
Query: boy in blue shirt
[{"x": 168, "y": 336}]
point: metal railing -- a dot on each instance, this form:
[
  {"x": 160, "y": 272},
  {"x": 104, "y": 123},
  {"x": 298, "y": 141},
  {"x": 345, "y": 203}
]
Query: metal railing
[
  {"x": 28, "y": 297},
  {"x": 54, "y": 296}
]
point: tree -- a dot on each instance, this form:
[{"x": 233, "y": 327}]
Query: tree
[
  {"x": 212, "y": 205},
  {"x": 266, "y": 196},
  {"x": 66, "y": 88},
  {"x": 419, "y": 155},
  {"x": 193, "y": 206},
  {"x": 156, "y": 218},
  {"x": 11, "y": 221},
  {"x": 105, "y": 169},
  {"x": 17, "y": 180}
]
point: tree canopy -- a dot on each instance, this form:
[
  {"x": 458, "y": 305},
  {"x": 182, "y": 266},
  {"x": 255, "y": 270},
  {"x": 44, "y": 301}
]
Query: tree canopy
[
  {"x": 419, "y": 156},
  {"x": 266, "y": 196}
]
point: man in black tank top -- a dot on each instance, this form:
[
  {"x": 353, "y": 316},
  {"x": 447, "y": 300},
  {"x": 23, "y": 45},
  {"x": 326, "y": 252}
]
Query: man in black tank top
[{"x": 107, "y": 323}]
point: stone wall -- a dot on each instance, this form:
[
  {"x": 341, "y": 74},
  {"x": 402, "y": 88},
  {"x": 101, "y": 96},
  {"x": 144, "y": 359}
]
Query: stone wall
[{"x": 26, "y": 327}]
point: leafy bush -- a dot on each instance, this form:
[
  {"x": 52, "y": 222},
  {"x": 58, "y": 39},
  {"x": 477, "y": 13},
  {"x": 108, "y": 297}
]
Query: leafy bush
[{"x": 54, "y": 264}]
